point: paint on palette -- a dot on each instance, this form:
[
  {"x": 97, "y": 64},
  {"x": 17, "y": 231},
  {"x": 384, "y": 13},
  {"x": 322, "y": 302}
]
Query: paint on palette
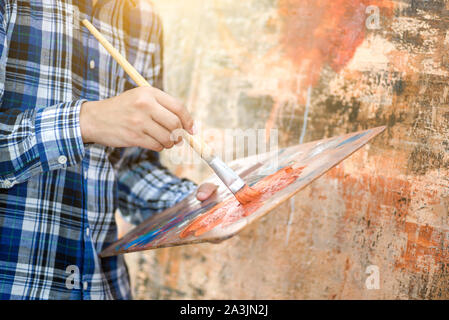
[
  {"x": 230, "y": 211},
  {"x": 222, "y": 216},
  {"x": 247, "y": 194},
  {"x": 161, "y": 230},
  {"x": 352, "y": 139}
]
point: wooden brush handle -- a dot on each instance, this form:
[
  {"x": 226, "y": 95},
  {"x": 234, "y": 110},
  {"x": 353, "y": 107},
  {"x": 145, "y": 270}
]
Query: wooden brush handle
[
  {"x": 196, "y": 143},
  {"x": 129, "y": 69}
]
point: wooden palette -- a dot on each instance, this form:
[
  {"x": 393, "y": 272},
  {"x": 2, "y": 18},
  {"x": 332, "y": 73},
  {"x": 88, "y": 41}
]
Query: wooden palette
[{"x": 281, "y": 174}]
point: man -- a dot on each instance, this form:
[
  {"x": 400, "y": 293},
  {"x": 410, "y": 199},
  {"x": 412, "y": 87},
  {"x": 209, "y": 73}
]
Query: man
[{"x": 77, "y": 142}]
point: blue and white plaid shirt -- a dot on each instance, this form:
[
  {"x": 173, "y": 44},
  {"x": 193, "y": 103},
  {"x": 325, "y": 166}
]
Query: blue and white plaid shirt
[{"x": 58, "y": 195}]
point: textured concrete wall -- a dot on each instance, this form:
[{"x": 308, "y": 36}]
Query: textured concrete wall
[{"x": 364, "y": 63}]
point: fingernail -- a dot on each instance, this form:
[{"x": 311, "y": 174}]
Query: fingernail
[
  {"x": 194, "y": 129},
  {"x": 201, "y": 195},
  {"x": 179, "y": 143}
]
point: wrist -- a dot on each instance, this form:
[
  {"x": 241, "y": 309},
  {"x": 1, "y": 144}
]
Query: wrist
[{"x": 86, "y": 121}]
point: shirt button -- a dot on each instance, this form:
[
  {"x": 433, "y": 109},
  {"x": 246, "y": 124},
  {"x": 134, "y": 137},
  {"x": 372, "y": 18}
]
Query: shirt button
[
  {"x": 92, "y": 64},
  {"x": 62, "y": 159},
  {"x": 87, "y": 231},
  {"x": 85, "y": 285},
  {"x": 8, "y": 184}
]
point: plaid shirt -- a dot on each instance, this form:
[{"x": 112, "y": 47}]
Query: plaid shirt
[{"x": 58, "y": 195}]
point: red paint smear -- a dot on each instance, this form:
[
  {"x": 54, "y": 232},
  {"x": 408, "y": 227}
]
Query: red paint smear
[
  {"x": 247, "y": 195},
  {"x": 380, "y": 201},
  {"x": 426, "y": 248},
  {"x": 230, "y": 210},
  {"x": 322, "y": 32},
  {"x": 374, "y": 197}
]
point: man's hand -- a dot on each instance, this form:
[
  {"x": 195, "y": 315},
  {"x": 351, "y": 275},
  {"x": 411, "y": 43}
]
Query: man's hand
[
  {"x": 142, "y": 117},
  {"x": 205, "y": 191}
]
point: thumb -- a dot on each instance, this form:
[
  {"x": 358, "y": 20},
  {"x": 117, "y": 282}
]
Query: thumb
[{"x": 205, "y": 191}]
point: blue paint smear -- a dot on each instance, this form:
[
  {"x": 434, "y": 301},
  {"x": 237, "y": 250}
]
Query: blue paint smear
[
  {"x": 352, "y": 139},
  {"x": 152, "y": 235}
]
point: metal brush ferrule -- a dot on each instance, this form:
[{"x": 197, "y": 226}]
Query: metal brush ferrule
[{"x": 229, "y": 177}]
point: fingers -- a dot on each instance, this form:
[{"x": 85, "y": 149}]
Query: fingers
[
  {"x": 148, "y": 142},
  {"x": 159, "y": 133},
  {"x": 176, "y": 108},
  {"x": 151, "y": 113},
  {"x": 205, "y": 191},
  {"x": 166, "y": 119}
]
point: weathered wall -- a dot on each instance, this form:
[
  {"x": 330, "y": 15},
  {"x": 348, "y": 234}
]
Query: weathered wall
[{"x": 251, "y": 64}]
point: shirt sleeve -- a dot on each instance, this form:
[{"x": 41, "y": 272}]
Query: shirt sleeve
[
  {"x": 145, "y": 186},
  {"x": 38, "y": 139}
]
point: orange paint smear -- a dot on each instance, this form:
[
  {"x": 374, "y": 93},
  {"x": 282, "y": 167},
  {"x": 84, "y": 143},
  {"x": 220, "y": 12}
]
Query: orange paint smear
[
  {"x": 321, "y": 32},
  {"x": 385, "y": 201},
  {"x": 230, "y": 210},
  {"x": 247, "y": 195},
  {"x": 376, "y": 198},
  {"x": 426, "y": 248}
]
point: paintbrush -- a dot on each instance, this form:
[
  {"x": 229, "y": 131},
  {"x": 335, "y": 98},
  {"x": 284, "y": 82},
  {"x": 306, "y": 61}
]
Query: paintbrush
[{"x": 235, "y": 184}]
